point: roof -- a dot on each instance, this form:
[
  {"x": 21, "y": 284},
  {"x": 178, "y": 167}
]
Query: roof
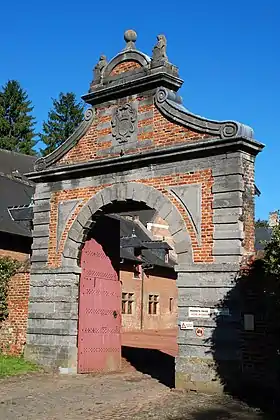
[
  {"x": 262, "y": 234},
  {"x": 12, "y": 161},
  {"x": 133, "y": 236},
  {"x": 15, "y": 189}
]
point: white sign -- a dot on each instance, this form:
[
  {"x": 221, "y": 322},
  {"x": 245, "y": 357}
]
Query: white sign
[
  {"x": 186, "y": 325},
  {"x": 222, "y": 312},
  {"x": 199, "y": 312}
]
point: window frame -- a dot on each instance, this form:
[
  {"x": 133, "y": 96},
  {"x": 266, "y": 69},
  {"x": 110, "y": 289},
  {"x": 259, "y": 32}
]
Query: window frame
[{"x": 153, "y": 304}]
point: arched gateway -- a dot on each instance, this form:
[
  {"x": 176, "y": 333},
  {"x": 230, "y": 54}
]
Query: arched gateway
[{"x": 138, "y": 144}]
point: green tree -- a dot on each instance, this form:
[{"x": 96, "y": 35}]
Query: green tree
[
  {"x": 261, "y": 223},
  {"x": 16, "y": 122},
  {"x": 64, "y": 117}
]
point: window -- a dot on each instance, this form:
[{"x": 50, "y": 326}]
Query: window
[
  {"x": 166, "y": 259},
  {"x": 153, "y": 304},
  {"x": 127, "y": 303},
  {"x": 170, "y": 304}
]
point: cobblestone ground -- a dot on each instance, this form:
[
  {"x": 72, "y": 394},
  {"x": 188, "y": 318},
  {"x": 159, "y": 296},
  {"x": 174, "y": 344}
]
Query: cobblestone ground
[{"x": 115, "y": 397}]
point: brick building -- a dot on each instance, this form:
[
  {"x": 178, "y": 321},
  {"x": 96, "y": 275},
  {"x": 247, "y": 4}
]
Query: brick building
[
  {"x": 139, "y": 148},
  {"x": 15, "y": 242},
  {"x": 149, "y": 292}
]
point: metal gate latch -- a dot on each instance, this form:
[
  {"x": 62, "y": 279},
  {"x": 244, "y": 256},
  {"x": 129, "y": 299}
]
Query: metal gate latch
[{"x": 115, "y": 314}]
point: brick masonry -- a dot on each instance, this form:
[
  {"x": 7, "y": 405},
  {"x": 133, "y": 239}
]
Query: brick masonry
[
  {"x": 197, "y": 174},
  {"x": 13, "y": 329},
  {"x": 164, "y": 287},
  {"x": 202, "y": 252},
  {"x": 125, "y": 66}
]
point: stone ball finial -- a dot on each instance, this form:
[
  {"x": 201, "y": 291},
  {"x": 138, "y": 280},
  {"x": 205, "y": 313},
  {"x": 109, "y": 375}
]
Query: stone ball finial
[{"x": 130, "y": 37}]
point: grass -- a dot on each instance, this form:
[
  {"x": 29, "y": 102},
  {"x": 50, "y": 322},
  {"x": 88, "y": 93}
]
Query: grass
[{"x": 11, "y": 365}]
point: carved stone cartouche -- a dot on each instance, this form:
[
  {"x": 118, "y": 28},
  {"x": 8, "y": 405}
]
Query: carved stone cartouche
[{"x": 124, "y": 122}]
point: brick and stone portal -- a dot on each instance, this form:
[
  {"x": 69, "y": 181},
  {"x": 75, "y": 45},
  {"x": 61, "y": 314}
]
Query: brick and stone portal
[{"x": 138, "y": 143}]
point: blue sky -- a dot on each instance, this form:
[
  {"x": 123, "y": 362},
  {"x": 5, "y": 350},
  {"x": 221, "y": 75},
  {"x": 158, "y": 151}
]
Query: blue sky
[{"x": 227, "y": 52}]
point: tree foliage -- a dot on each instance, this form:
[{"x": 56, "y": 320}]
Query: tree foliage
[
  {"x": 16, "y": 122},
  {"x": 261, "y": 223},
  {"x": 64, "y": 117},
  {"x": 8, "y": 267},
  {"x": 272, "y": 253}
]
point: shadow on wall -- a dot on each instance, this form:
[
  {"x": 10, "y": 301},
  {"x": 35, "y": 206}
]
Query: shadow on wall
[{"x": 245, "y": 344}]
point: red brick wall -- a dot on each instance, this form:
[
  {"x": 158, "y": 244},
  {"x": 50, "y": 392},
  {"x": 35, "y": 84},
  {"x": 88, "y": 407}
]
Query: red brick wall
[
  {"x": 201, "y": 252},
  {"x": 164, "y": 287},
  {"x": 20, "y": 256},
  {"x": 164, "y": 133},
  {"x": 13, "y": 329},
  {"x": 249, "y": 207},
  {"x": 124, "y": 66}
]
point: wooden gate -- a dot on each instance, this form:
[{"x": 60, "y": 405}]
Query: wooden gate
[{"x": 99, "y": 341}]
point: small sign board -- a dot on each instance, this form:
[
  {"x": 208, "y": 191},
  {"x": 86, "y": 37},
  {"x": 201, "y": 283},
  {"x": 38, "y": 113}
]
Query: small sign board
[
  {"x": 186, "y": 325},
  {"x": 199, "y": 332},
  {"x": 196, "y": 312},
  {"x": 222, "y": 312},
  {"x": 249, "y": 322}
]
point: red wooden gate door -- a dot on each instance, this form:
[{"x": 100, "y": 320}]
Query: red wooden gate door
[{"x": 99, "y": 341}]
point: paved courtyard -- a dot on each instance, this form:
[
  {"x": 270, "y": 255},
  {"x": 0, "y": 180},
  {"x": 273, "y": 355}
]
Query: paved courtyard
[{"x": 129, "y": 395}]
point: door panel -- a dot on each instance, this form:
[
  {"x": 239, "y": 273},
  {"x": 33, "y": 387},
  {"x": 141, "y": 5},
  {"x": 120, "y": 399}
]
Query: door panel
[{"x": 99, "y": 341}]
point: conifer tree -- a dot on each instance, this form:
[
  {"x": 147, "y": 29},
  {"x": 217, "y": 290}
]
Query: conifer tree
[
  {"x": 64, "y": 117},
  {"x": 16, "y": 122}
]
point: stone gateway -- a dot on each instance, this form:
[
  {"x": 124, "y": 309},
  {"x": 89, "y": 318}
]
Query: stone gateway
[{"x": 138, "y": 146}]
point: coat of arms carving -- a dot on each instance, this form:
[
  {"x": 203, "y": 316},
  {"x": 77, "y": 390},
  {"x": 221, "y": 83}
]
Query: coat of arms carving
[{"x": 124, "y": 122}]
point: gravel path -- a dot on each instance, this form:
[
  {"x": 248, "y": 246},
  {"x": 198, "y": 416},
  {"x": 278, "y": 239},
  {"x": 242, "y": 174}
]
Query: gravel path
[{"x": 110, "y": 397}]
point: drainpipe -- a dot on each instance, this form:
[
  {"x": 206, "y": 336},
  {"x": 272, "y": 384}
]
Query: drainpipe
[
  {"x": 143, "y": 268},
  {"x": 142, "y": 297}
]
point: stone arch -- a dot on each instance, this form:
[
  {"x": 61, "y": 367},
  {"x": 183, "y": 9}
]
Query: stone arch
[
  {"x": 134, "y": 55},
  {"x": 122, "y": 192}
]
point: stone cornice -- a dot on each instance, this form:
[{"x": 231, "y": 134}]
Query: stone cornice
[
  {"x": 42, "y": 163},
  {"x": 189, "y": 150},
  {"x": 133, "y": 82},
  {"x": 169, "y": 104}
]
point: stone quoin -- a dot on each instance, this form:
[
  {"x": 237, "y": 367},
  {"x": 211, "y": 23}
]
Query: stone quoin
[{"x": 139, "y": 144}]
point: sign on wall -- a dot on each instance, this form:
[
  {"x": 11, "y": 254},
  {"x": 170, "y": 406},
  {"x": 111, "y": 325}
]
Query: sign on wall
[
  {"x": 186, "y": 325},
  {"x": 199, "y": 312}
]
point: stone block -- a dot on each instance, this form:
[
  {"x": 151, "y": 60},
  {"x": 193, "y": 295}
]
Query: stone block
[
  {"x": 95, "y": 203},
  {"x": 42, "y": 205},
  {"x": 202, "y": 296},
  {"x": 40, "y": 231},
  {"x": 228, "y": 234},
  {"x": 165, "y": 210},
  {"x": 106, "y": 196},
  {"x": 227, "y": 199},
  {"x": 228, "y": 183},
  {"x": 84, "y": 215},
  {"x": 175, "y": 221},
  {"x": 206, "y": 279},
  {"x": 40, "y": 243},
  {"x": 184, "y": 257},
  {"x": 227, "y": 215},
  {"x": 41, "y": 218},
  {"x": 121, "y": 191},
  {"x": 227, "y": 247},
  {"x": 52, "y": 280}
]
